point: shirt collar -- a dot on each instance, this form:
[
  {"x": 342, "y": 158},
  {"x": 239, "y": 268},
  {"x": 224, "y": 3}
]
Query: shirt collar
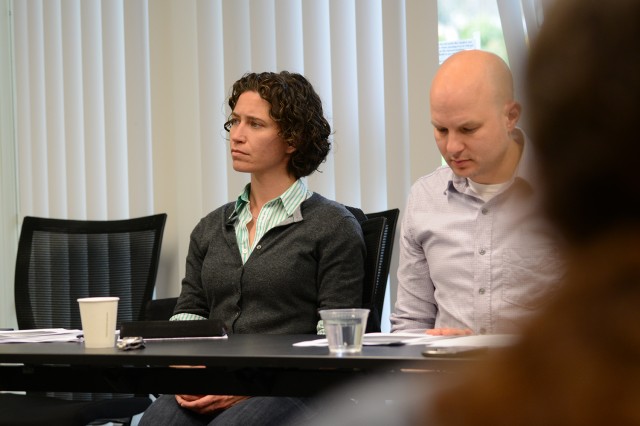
[
  {"x": 241, "y": 201},
  {"x": 291, "y": 198}
]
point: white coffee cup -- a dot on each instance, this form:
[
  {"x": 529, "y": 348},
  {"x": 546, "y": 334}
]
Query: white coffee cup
[{"x": 98, "y": 315}]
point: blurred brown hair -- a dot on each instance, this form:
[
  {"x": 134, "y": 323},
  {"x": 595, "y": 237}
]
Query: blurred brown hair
[
  {"x": 577, "y": 364},
  {"x": 584, "y": 106},
  {"x": 578, "y": 361}
]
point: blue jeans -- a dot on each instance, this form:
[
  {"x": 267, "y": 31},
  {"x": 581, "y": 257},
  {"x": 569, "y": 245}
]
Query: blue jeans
[{"x": 259, "y": 410}]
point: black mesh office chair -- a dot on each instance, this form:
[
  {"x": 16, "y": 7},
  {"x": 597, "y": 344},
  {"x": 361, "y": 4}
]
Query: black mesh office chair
[
  {"x": 160, "y": 309},
  {"x": 59, "y": 261},
  {"x": 379, "y": 234}
]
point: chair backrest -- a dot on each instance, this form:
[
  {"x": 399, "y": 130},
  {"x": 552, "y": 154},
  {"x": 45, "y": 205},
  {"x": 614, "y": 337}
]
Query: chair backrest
[
  {"x": 59, "y": 261},
  {"x": 379, "y": 238},
  {"x": 374, "y": 231},
  {"x": 379, "y": 233},
  {"x": 160, "y": 309}
]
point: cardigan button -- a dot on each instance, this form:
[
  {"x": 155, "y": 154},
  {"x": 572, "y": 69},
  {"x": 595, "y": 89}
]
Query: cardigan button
[{"x": 258, "y": 247}]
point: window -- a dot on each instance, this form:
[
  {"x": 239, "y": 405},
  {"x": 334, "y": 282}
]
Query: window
[{"x": 470, "y": 24}]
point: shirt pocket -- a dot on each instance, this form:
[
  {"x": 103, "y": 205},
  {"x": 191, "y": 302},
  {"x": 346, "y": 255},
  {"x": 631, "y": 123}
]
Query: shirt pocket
[{"x": 530, "y": 275}]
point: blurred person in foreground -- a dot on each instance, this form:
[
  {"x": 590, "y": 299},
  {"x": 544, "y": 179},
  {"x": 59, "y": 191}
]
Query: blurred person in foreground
[
  {"x": 267, "y": 262},
  {"x": 476, "y": 255},
  {"x": 578, "y": 361}
]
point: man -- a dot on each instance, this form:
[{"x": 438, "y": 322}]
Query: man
[{"x": 474, "y": 255}]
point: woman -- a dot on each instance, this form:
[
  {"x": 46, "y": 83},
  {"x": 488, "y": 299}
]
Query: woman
[{"x": 269, "y": 261}]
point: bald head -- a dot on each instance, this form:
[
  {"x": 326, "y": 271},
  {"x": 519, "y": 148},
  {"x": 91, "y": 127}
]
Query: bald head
[
  {"x": 474, "y": 117},
  {"x": 473, "y": 74}
]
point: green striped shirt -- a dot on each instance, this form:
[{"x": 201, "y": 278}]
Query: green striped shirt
[{"x": 272, "y": 213}]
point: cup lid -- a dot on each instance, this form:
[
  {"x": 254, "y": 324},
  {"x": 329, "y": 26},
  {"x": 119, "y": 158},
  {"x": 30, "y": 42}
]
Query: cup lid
[{"x": 99, "y": 299}]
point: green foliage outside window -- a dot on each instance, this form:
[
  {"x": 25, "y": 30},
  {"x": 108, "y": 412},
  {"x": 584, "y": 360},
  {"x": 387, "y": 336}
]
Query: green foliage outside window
[{"x": 469, "y": 19}]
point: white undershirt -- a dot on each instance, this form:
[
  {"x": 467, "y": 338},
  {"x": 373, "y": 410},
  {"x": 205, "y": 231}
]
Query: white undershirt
[{"x": 487, "y": 191}]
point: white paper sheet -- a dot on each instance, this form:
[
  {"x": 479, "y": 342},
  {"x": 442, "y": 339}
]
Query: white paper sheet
[
  {"x": 479, "y": 340},
  {"x": 42, "y": 335},
  {"x": 381, "y": 339}
]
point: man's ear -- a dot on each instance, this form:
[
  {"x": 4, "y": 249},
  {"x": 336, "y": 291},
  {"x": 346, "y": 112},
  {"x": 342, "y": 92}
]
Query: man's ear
[{"x": 513, "y": 111}]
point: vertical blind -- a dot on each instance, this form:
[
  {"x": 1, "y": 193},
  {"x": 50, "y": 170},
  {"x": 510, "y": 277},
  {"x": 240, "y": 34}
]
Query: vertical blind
[
  {"x": 120, "y": 105},
  {"x": 8, "y": 190}
]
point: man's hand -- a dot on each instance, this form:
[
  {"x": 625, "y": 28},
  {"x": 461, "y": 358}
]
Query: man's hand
[
  {"x": 208, "y": 404},
  {"x": 449, "y": 332}
]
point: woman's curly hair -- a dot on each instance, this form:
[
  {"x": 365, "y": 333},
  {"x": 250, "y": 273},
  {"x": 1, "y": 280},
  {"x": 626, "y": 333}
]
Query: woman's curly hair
[{"x": 297, "y": 109}]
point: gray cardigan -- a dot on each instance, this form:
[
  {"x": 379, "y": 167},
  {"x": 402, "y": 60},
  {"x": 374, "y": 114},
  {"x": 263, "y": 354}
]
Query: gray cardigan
[{"x": 311, "y": 261}]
